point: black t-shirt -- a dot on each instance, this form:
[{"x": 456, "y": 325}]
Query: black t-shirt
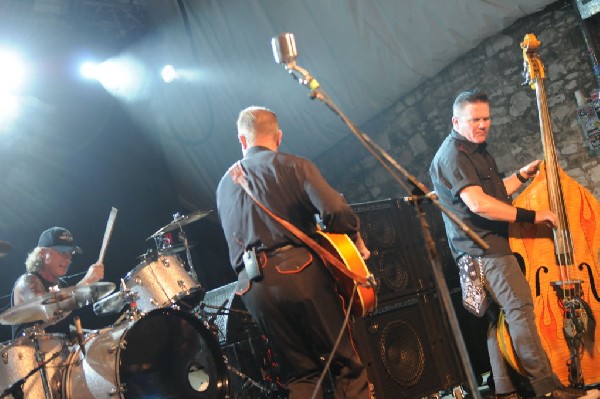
[{"x": 458, "y": 164}]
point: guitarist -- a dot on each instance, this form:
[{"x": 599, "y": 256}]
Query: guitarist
[{"x": 283, "y": 284}]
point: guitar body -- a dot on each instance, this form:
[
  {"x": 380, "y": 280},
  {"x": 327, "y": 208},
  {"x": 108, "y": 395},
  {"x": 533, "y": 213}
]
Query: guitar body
[{"x": 342, "y": 247}]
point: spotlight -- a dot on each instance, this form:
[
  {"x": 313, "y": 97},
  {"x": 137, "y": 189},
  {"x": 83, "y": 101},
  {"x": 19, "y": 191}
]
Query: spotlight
[
  {"x": 9, "y": 109},
  {"x": 168, "y": 73},
  {"x": 89, "y": 70},
  {"x": 12, "y": 71}
]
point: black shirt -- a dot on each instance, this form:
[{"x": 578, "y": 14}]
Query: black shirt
[
  {"x": 458, "y": 164},
  {"x": 291, "y": 187}
]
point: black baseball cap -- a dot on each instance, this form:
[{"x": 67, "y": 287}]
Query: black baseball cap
[{"x": 60, "y": 239}]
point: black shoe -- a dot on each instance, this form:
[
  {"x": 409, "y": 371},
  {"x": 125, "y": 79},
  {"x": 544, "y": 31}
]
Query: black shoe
[{"x": 566, "y": 393}]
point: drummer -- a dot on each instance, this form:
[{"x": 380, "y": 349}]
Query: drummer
[{"x": 46, "y": 265}]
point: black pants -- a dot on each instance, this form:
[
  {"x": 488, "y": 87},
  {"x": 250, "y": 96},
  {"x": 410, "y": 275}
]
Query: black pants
[{"x": 302, "y": 315}]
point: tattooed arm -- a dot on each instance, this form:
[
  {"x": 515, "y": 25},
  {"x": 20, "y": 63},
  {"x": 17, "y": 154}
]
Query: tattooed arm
[{"x": 27, "y": 287}]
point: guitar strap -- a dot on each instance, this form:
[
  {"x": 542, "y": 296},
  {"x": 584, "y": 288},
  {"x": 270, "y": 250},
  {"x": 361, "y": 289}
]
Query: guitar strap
[{"x": 238, "y": 175}]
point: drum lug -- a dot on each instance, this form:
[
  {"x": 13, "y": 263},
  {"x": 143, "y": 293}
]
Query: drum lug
[
  {"x": 153, "y": 302},
  {"x": 5, "y": 357},
  {"x": 122, "y": 345},
  {"x": 181, "y": 284},
  {"x": 117, "y": 391},
  {"x": 165, "y": 261},
  {"x": 138, "y": 280}
]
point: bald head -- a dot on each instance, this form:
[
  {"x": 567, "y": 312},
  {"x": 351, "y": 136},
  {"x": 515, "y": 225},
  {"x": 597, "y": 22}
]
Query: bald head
[{"x": 258, "y": 126}]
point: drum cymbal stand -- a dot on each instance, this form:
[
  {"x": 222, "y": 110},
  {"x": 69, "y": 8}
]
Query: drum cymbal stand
[
  {"x": 188, "y": 254},
  {"x": 209, "y": 319},
  {"x": 16, "y": 388},
  {"x": 248, "y": 381}
]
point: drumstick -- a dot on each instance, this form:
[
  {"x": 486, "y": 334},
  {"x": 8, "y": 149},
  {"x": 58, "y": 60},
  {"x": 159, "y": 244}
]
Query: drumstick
[{"x": 109, "y": 227}]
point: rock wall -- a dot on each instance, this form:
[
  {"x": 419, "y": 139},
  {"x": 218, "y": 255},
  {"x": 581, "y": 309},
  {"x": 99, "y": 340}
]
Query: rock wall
[{"x": 413, "y": 128}]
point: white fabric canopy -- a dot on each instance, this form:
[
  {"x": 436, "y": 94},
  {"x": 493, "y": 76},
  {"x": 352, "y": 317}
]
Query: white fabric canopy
[{"x": 365, "y": 53}]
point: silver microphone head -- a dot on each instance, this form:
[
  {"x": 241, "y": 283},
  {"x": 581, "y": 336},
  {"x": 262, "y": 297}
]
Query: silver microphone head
[{"x": 284, "y": 48}]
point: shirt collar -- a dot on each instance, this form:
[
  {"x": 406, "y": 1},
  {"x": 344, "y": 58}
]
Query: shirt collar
[
  {"x": 465, "y": 145},
  {"x": 256, "y": 149}
]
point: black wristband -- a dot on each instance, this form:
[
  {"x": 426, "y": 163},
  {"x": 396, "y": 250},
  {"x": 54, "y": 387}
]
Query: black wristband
[
  {"x": 525, "y": 215},
  {"x": 521, "y": 178}
]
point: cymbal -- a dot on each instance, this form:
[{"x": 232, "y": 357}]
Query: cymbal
[
  {"x": 181, "y": 220},
  {"x": 5, "y": 247},
  {"x": 53, "y": 305}
]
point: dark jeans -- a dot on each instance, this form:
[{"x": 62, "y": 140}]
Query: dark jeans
[
  {"x": 302, "y": 315},
  {"x": 509, "y": 288}
]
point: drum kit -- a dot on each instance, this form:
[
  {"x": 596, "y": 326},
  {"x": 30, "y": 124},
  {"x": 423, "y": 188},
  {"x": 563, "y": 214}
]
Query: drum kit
[{"x": 164, "y": 343}]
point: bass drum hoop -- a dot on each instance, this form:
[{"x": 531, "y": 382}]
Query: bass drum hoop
[{"x": 218, "y": 383}]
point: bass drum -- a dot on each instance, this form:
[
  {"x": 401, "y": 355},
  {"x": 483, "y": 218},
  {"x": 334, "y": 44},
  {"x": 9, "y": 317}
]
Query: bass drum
[{"x": 164, "y": 354}]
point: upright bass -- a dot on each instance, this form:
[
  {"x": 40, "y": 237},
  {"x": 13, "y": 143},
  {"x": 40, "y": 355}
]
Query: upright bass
[{"x": 560, "y": 264}]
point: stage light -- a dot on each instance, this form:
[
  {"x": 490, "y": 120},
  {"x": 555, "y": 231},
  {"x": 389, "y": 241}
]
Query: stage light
[
  {"x": 89, "y": 70},
  {"x": 12, "y": 71},
  {"x": 168, "y": 73},
  {"x": 9, "y": 109},
  {"x": 122, "y": 76}
]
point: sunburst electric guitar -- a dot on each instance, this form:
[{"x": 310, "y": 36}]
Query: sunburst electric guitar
[{"x": 342, "y": 247}]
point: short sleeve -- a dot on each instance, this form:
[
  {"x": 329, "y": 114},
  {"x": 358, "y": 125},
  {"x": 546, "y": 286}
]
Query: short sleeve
[{"x": 459, "y": 172}]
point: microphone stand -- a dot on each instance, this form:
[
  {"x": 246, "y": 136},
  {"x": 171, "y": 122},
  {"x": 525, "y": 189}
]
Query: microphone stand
[{"x": 396, "y": 171}]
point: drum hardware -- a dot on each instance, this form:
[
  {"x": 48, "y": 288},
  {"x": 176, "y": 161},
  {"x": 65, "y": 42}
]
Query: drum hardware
[
  {"x": 24, "y": 357},
  {"x": 54, "y": 306},
  {"x": 16, "y": 389},
  {"x": 250, "y": 382},
  {"x": 39, "y": 358},
  {"x": 117, "y": 391},
  {"x": 178, "y": 222},
  {"x": 241, "y": 352},
  {"x": 115, "y": 302}
]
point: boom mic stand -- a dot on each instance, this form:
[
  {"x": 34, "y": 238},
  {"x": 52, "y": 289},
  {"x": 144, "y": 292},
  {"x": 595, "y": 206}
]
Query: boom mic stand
[{"x": 284, "y": 51}]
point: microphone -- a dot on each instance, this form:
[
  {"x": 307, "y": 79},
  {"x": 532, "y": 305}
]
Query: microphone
[
  {"x": 79, "y": 333},
  {"x": 284, "y": 48}
]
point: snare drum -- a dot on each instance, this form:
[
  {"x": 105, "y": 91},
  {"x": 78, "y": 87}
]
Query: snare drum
[
  {"x": 18, "y": 358},
  {"x": 161, "y": 281},
  {"x": 164, "y": 354}
]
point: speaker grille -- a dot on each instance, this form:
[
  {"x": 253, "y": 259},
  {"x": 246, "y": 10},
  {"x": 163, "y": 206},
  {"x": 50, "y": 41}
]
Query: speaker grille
[
  {"x": 227, "y": 311},
  {"x": 402, "y": 352},
  {"x": 399, "y": 260},
  {"x": 408, "y": 348}
]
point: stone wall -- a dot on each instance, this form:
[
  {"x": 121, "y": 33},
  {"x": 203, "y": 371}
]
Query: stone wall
[{"x": 413, "y": 128}]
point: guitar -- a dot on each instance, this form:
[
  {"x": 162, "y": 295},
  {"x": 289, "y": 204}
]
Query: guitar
[{"x": 342, "y": 247}]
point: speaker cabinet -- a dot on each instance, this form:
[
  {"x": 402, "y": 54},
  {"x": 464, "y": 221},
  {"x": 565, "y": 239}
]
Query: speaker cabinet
[
  {"x": 399, "y": 261},
  {"x": 408, "y": 349},
  {"x": 225, "y": 309}
]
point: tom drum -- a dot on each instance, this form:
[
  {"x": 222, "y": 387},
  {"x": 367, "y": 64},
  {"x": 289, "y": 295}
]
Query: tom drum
[{"x": 161, "y": 281}]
